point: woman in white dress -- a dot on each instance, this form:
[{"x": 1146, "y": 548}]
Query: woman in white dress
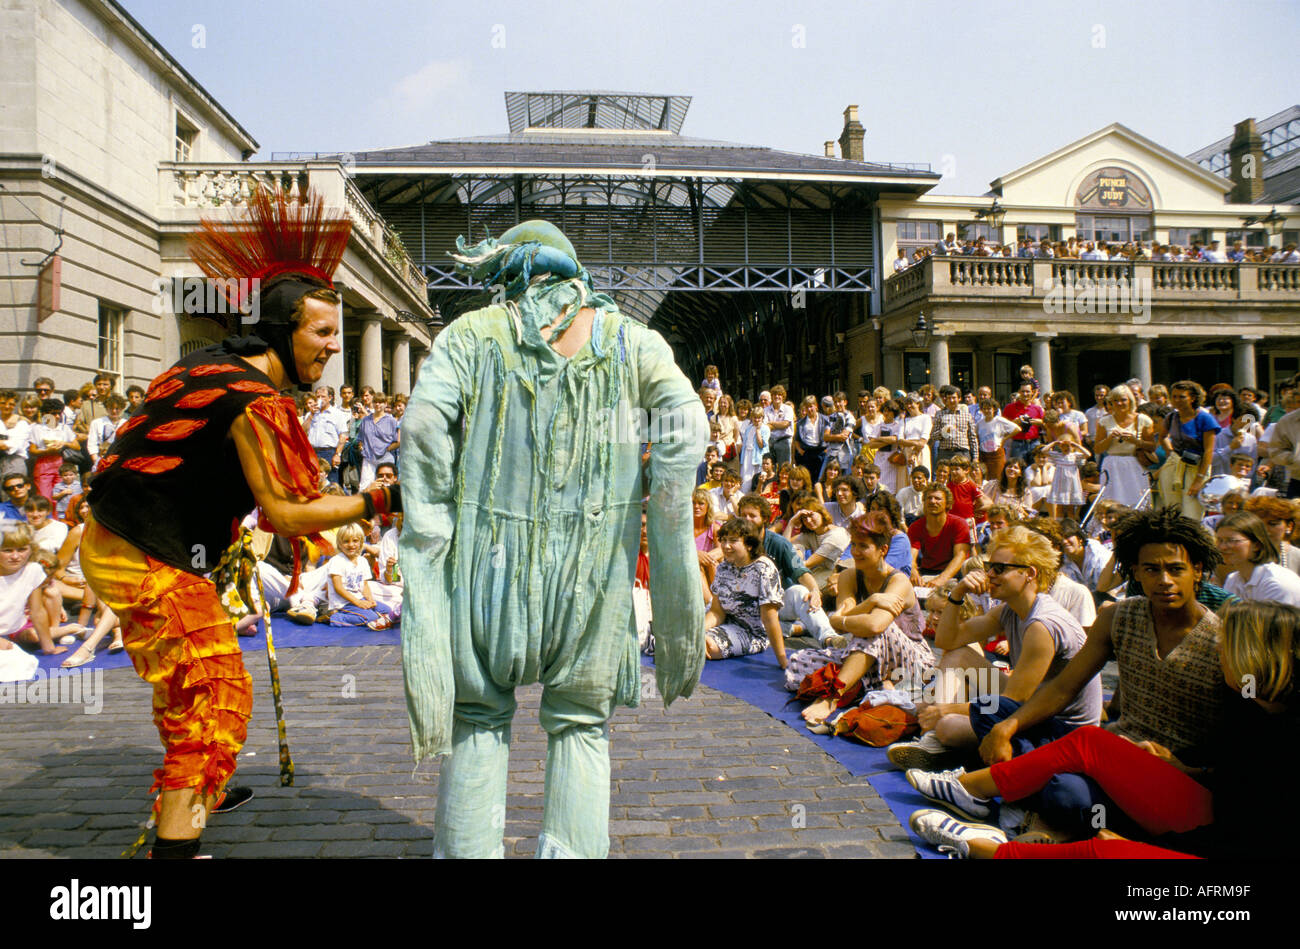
[
  {"x": 1119, "y": 435},
  {"x": 915, "y": 435},
  {"x": 885, "y": 443}
]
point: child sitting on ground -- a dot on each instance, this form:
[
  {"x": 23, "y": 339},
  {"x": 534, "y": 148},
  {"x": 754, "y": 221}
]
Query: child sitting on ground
[
  {"x": 25, "y": 610},
  {"x": 350, "y": 601}
]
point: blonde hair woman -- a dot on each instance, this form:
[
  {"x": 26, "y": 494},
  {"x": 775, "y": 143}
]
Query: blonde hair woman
[{"x": 1119, "y": 436}]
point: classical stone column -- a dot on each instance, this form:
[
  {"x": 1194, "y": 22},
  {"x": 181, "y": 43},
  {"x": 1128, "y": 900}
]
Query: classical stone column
[
  {"x": 1041, "y": 358},
  {"x": 1243, "y": 361},
  {"x": 401, "y": 367},
  {"x": 372, "y": 352},
  {"x": 1139, "y": 362},
  {"x": 939, "y": 363}
]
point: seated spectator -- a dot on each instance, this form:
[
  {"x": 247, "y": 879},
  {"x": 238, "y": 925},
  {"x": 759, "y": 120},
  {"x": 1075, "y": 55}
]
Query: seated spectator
[
  {"x": 1084, "y": 557},
  {"x": 999, "y": 517},
  {"x": 877, "y": 614},
  {"x": 387, "y": 589},
  {"x": 717, "y": 469},
  {"x": 910, "y": 497},
  {"x": 350, "y": 601},
  {"x": 1176, "y": 807},
  {"x": 801, "y": 607},
  {"x": 849, "y": 493},
  {"x": 1234, "y": 502},
  {"x": 47, "y": 533},
  {"x": 1076, "y": 598},
  {"x": 800, "y": 483},
  {"x": 940, "y": 540},
  {"x": 728, "y": 494},
  {"x": 26, "y": 614},
  {"x": 868, "y": 476},
  {"x": 764, "y": 479},
  {"x": 1011, "y": 489},
  {"x": 17, "y": 488},
  {"x": 824, "y": 489},
  {"x": 816, "y": 538},
  {"x": 67, "y": 582},
  {"x": 1173, "y": 703},
  {"x": 64, "y": 570},
  {"x": 1279, "y": 519},
  {"x": 884, "y": 516},
  {"x": 704, "y": 472},
  {"x": 1250, "y": 553},
  {"x": 742, "y": 619},
  {"x": 1042, "y": 636}
]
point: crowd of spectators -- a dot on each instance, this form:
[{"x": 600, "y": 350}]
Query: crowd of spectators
[
  {"x": 1077, "y": 249},
  {"x": 977, "y": 564},
  {"x": 49, "y": 448}
]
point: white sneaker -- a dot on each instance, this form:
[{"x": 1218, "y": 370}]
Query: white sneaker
[
  {"x": 944, "y": 789},
  {"x": 304, "y": 614},
  {"x": 950, "y": 835},
  {"x": 927, "y": 753}
]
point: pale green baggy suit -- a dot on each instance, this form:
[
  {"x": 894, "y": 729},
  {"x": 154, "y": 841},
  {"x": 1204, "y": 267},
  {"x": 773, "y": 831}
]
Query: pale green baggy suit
[{"x": 522, "y": 486}]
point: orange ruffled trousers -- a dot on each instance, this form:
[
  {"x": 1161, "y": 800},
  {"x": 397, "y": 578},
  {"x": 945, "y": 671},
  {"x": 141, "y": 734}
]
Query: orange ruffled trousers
[{"x": 182, "y": 642}]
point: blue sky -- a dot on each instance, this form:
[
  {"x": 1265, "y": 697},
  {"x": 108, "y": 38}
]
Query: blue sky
[{"x": 976, "y": 89}]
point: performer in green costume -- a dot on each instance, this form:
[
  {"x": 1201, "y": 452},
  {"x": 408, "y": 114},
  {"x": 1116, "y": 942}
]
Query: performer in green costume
[{"x": 523, "y": 486}]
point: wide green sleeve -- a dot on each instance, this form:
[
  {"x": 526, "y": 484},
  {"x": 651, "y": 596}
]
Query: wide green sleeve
[
  {"x": 679, "y": 440},
  {"x": 431, "y": 446}
]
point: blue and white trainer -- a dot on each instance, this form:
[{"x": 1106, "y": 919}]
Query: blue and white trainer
[
  {"x": 943, "y": 788},
  {"x": 950, "y": 835}
]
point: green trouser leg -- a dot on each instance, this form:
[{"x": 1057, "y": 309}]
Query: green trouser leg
[
  {"x": 471, "y": 818},
  {"x": 576, "y": 820}
]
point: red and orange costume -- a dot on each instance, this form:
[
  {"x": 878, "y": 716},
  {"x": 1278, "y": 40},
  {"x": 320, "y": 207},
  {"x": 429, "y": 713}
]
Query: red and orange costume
[{"x": 169, "y": 498}]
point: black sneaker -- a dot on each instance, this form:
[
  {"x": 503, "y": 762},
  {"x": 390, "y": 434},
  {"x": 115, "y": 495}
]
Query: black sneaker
[{"x": 232, "y": 800}]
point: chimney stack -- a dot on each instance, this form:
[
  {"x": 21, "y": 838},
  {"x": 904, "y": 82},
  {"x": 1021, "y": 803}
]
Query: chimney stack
[
  {"x": 830, "y": 149},
  {"x": 1246, "y": 153},
  {"x": 852, "y": 137}
]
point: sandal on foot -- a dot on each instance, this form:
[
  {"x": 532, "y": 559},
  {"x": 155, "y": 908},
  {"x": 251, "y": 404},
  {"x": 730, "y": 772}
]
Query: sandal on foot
[
  {"x": 78, "y": 658},
  {"x": 116, "y": 645},
  {"x": 384, "y": 622}
]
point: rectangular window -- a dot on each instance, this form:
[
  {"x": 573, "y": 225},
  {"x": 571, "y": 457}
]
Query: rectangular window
[
  {"x": 186, "y": 136},
  {"x": 1183, "y": 236},
  {"x": 1113, "y": 229},
  {"x": 111, "y": 322},
  {"x": 974, "y": 230},
  {"x": 1256, "y": 238},
  {"x": 1006, "y": 375},
  {"x": 927, "y": 232},
  {"x": 1038, "y": 232},
  {"x": 916, "y": 369}
]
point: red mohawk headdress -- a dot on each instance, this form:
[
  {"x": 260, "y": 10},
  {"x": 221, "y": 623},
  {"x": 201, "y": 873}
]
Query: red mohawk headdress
[{"x": 279, "y": 251}]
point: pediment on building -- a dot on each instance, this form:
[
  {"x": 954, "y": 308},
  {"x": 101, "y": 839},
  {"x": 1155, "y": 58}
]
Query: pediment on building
[{"x": 1113, "y": 170}]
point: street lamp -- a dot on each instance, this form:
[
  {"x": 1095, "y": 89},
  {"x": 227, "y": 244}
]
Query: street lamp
[
  {"x": 994, "y": 214},
  {"x": 921, "y": 330},
  {"x": 1273, "y": 221}
]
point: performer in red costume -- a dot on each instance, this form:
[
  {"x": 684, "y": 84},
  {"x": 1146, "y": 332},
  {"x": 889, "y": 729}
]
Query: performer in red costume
[{"x": 212, "y": 439}]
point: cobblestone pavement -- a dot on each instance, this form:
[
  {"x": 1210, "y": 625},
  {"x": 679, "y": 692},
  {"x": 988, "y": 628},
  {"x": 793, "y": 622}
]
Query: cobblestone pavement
[{"x": 710, "y": 777}]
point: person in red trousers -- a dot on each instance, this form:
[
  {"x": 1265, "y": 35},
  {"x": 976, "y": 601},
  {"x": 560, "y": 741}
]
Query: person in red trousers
[{"x": 1184, "y": 812}]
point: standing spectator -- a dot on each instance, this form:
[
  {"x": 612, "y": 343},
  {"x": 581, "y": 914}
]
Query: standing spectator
[
  {"x": 1189, "y": 438},
  {"x": 378, "y": 434},
  {"x": 103, "y": 430},
  {"x": 1100, "y": 396},
  {"x": 134, "y": 399},
  {"x": 900, "y": 261},
  {"x": 1119, "y": 436},
  {"x": 323, "y": 431},
  {"x": 837, "y": 436},
  {"x": 45, "y": 444},
  {"x": 756, "y": 443},
  {"x": 96, "y": 407},
  {"x": 914, "y": 434},
  {"x": 69, "y": 487},
  {"x": 954, "y": 431},
  {"x": 807, "y": 444},
  {"x": 779, "y": 415},
  {"x": 929, "y": 400},
  {"x": 992, "y": 431},
  {"x": 728, "y": 427},
  {"x": 1020, "y": 446},
  {"x": 14, "y": 430}
]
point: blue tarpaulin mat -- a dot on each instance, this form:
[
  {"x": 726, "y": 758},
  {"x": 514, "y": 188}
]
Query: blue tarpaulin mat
[{"x": 759, "y": 681}]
